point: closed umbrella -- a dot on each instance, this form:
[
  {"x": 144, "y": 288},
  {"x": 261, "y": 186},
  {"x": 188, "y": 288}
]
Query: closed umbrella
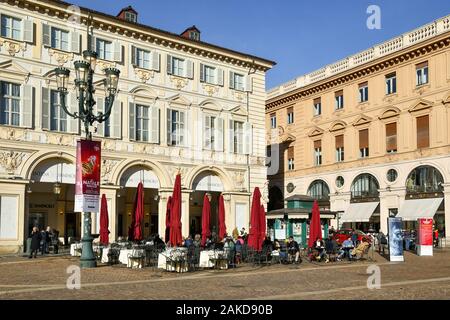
[
  {"x": 104, "y": 221},
  {"x": 222, "y": 226},
  {"x": 138, "y": 212},
  {"x": 254, "y": 232},
  {"x": 262, "y": 226},
  {"x": 168, "y": 209},
  {"x": 175, "y": 213},
  {"x": 315, "y": 229},
  {"x": 206, "y": 217}
]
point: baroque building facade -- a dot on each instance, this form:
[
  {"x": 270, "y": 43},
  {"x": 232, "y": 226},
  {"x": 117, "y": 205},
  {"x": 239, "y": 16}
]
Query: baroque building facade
[
  {"x": 368, "y": 136},
  {"x": 183, "y": 105}
]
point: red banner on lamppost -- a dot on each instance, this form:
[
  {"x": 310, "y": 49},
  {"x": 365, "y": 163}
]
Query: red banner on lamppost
[{"x": 87, "y": 180}]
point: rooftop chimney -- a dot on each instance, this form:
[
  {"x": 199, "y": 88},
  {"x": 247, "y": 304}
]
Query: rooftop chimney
[
  {"x": 128, "y": 14},
  {"x": 191, "y": 33}
]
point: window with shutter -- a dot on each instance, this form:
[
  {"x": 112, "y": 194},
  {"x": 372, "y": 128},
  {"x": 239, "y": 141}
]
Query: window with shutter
[
  {"x": 11, "y": 27},
  {"x": 317, "y": 103},
  {"x": 59, "y": 39},
  {"x": 290, "y": 115},
  {"x": 422, "y": 73},
  {"x": 273, "y": 121},
  {"x": 363, "y": 92},
  {"x": 391, "y": 137},
  {"x": 290, "y": 157},
  {"x": 10, "y": 111},
  {"x": 391, "y": 83},
  {"x": 339, "y": 99},
  {"x": 58, "y": 118},
  {"x": 423, "y": 132},
  {"x": 364, "y": 143},
  {"x": 339, "y": 145},
  {"x": 318, "y": 152}
]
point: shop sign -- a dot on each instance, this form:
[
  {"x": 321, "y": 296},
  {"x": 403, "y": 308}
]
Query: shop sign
[{"x": 424, "y": 237}]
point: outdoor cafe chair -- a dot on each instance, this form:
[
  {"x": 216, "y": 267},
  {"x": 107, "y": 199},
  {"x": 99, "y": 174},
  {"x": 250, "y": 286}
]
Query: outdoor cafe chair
[
  {"x": 113, "y": 255},
  {"x": 136, "y": 255}
]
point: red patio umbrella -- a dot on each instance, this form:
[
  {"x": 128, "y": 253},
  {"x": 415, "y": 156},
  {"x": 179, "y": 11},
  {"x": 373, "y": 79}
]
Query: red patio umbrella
[
  {"x": 206, "y": 217},
  {"x": 175, "y": 214},
  {"x": 168, "y": 209},
  {"x": 104, "y": 221},
  {"x": 315, "y": 229},
  {"x": 262, "y": 226},
  {"x": 222, "y": 226},
  {"x": 138, "y": 212},
  {"x": 254, "y": 232}
]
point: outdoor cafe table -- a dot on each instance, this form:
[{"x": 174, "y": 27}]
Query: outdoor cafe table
[
  {"x": 169, "y": 253},
  {"x": 123, "y": 255},
  {"x": 73, "y": 249},
  {"x": 208, "y": 258}
]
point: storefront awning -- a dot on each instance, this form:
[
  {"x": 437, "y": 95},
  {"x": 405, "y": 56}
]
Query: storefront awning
[
  {"x": 411, "y": 210},
  {"x": 359, "y": 212}
]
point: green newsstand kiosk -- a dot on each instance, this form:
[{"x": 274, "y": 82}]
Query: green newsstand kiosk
[{"x": 294, "y": 220}]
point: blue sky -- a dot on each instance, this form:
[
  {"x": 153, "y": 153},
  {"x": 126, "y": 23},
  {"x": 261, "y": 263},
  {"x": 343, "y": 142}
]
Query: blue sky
[{"x": 300, "y": 35}]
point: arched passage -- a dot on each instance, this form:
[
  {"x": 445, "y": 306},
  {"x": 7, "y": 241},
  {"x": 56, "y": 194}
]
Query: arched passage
[{"x": 276, "y": 200}]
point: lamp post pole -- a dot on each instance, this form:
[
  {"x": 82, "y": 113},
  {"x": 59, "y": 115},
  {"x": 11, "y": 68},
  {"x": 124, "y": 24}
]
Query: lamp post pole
[{"x": 84, "y": 74}]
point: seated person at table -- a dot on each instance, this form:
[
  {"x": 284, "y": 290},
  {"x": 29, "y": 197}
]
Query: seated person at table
[
  {"x": 197, "y": 240},
  {"x": 238, "y": 250},
  {"x": 293, "y": 250},
  {"x": 330, "y": 247},
  {"x": 358, "y": 252},
  {"x": 267, "y": 243},
  {"x": 188, "y": 242},
  {"x": 319, "y": 245},
  {"x": 158, "y": 242},
  {"x": 345, "y": 250}
]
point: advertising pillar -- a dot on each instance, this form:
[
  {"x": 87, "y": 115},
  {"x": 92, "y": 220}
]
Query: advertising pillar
[
  {"x": 424, "y": 237},
  {"x": 395, "y": 239}
]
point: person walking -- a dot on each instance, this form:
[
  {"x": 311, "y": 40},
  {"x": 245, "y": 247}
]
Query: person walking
[
  {"x": 35, "y": 242},
  {"x": 382, "y": 242},
  {"x": 355, "y": 238}
]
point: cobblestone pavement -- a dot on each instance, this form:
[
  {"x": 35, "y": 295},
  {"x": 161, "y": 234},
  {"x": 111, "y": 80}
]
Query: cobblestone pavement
[{"x": 45, "y": 278}]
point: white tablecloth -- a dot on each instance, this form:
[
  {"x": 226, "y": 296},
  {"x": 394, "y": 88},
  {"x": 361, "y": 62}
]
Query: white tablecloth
[
  {"x": 73, "y": 251},
  {"x": 207, "y": 255},
  {"x": 162, "y": 260}
]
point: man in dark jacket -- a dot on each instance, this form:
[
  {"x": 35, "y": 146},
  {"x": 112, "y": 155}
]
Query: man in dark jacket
[
  {"x": 293, "y": 250},
  {"x": 35, "y": 242}
]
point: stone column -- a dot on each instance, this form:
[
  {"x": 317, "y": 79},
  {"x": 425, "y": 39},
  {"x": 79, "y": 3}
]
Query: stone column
[
  {"x": 339, "y": 203},
  {"x": 185, "y": 195},
  {"x": 111, "y": 198},
  {"x": 447, "y": 212},
  {"x": 162, "y": 207}
]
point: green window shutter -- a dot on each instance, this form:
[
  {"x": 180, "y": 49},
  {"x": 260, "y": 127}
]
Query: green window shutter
[
  {"x": 132, "y": 121},
  {"x": 45, "y": 109},
  {"x": 46, "y": 35},
  {"x": 26, "y": 112}
]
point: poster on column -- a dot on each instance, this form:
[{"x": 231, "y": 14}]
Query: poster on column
[
  {"x": 424, "y": 242},
  {"x": 395, "y": 239},
  {"x": 87, "y": 177}
]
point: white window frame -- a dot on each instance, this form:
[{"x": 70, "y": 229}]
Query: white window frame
[
  {"x": 339, "y": 102},
  {"x": 209, "y": 130},
  {"x": 210, "y": 74},
  {"x": 317, "y": 156},
  {"x": 10, "y": 26},
  {"x": 391, "y": 84},
  {"x": 178, "y": 66},
  {"x": 273, "y": 121},
  {"x": 364, "y": 152},
  {"x": 317, "y": 109},
  {"x": 177, "y": 127},
  {"x": 56, "y": 39},
  {"x": 130, "y": 16},
  {"x": 141, "y": 120},
  {"x": 57, "y": 113},
  {"x": 238, "y": 137},
  {"x": 422, "y": 76},
  {"x": 6, "y": 104},
  {"x": 340, "y": 154},
  {"x": 239, "y": 85},
  {"x": 364, "y": 94},
  {"x": 101, "y": 46},
  {"x": 143, "y": 58},
  {"x": 291, "y": 164},
  {"x": 290, "y": 117}
]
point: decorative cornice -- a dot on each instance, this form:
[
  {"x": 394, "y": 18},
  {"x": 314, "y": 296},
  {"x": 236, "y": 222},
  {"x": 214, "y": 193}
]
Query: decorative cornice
[
  {"x": 389, "y": 113},
  {"x": 143, "y": 74},
  {"x": 102, "y": 21},
  {"x": 61, "y": 57},
  {"x": 353, "y": 74},
  {"x": 420, "y": 105}
]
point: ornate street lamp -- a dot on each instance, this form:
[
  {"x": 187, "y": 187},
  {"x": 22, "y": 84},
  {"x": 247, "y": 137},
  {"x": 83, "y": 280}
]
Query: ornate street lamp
[{"x": 84, "y": 73}]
